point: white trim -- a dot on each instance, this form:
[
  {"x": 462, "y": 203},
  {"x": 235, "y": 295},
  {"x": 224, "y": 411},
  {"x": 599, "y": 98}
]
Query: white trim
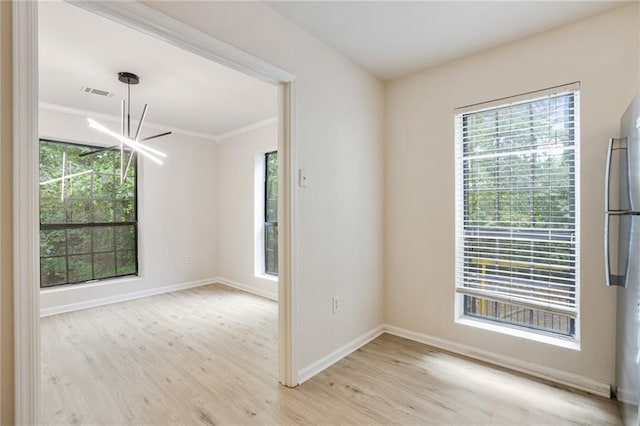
[
  {"x": 577, "y": 190},
  {"x": 158, "y": 25},
  {"x": 517, "y": 331},
  {"x": 132, "y": 279},
  {"x": 273, "y": 295},
  {"x": 108, "y": 117},
  {"x": 342, "y": 352},
  {"x": 238, "y": 131},
  {"x": 273, "y": 278},
  {"x": 25, "y": 213},
  {"x": 288, "y": 263},
  {"x": 550, "y": 374},
  {"x": 123, "y": 297}
]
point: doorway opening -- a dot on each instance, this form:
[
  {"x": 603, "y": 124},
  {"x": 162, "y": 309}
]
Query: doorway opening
[{"x": 145, "y": 20}]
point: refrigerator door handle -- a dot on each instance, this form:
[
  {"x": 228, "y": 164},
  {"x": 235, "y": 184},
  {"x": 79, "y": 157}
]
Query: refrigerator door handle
[
  {"x": 622, "y": 145},
  {"x": 607, "y": 188},
  {"x": 612, "y": 279},
  {"x": 625, "y": 202},
  {"x": 630, "y": 199},
  {"x": 607, "y": 218}
]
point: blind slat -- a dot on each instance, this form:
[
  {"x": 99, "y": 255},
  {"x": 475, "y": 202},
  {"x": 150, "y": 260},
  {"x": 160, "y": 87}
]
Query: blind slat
[{"x": 515, "y": 279}]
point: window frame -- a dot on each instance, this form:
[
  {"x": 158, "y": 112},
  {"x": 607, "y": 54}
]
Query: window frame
[
  {"x": 269, "y": 224},
  {"x": 462, "y": 209},
  {"x": 93, "y": 225}
]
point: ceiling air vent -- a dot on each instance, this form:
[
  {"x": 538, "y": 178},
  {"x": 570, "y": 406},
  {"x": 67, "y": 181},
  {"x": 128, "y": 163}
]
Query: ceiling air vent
[{"x": 94, "y": 91}]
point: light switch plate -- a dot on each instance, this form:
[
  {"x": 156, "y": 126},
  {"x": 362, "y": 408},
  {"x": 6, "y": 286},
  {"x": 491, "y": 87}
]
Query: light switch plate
[{"x": 302, "y": 178}]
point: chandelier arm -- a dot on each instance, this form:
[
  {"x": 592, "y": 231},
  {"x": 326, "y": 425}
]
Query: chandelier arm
[
  {"x": 107, "y": 148},
  {"x": 155, "y": 136},
  {"x": 122, "y": 144},
  {"x": 126, "y": 170},
  {"x": 138, "y": 147},
  {"x": 129, "y": 110},
  {"x": 144, "y": 114}
]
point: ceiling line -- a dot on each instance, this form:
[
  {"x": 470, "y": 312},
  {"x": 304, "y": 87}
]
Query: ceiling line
[{"x": 256, "y": 125}]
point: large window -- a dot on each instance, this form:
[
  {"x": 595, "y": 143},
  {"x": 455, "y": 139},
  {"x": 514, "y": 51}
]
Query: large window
[
  {"x": 517, "y": 216},
  {"x": 88, "y": 217},
  {"x": 271, "y": 213}
]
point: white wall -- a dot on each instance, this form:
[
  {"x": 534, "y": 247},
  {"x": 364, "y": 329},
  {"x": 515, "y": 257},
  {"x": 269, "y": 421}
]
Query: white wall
[
  {"x": 236, "y": 196},
  {"x": 339, "y": 133},
  {"x": 177, "y": 214},
  {"x": 602, "y": 54}
]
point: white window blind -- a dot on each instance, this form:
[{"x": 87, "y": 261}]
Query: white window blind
[{"x": 516, "y": 209}]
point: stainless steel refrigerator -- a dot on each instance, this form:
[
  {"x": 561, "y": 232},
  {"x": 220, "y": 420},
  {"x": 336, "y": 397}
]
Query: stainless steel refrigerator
[{"x": 622, "y": 251}]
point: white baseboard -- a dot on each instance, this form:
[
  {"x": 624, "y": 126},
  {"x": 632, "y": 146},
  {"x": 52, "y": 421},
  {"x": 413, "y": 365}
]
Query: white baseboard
[
  {"x": 335, "y": 356},
  {"x": 45, "y": 312},
  {"x": 551, "y": 374},
  {"x": 273, "y": 295}
]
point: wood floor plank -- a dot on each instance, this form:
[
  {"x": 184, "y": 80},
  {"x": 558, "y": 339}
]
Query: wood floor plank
[{"x": 208, "y": 356}]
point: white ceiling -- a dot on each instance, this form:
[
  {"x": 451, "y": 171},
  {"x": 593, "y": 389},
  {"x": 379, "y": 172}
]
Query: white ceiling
[
  {"x": 183, "y": 90},
  {"x": 394, "y": 38}
]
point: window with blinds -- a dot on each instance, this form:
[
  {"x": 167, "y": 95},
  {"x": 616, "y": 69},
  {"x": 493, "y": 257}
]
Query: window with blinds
[{"x": 516, "y": 211}]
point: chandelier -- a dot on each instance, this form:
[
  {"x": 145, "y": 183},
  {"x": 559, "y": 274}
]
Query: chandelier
[{"x": 129, "y": 145}]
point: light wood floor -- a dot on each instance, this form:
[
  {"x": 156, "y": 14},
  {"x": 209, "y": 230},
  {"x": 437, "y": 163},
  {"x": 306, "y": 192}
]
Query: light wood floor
[{"x": 208, "y": 356}]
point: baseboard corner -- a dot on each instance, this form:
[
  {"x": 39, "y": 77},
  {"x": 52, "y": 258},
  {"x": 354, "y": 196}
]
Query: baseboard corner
[
  {"x": 247, "y": 288},
  {"x": 335, "y": 356}
]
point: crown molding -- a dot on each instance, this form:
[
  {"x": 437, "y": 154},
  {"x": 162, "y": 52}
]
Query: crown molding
[{"x": 113, "y": 118}]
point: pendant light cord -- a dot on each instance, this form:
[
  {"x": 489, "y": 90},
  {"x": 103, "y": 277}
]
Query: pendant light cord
[{"x": 128, "y": 110}]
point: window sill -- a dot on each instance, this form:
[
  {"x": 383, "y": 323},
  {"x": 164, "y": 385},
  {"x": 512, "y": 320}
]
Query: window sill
[
  {"x": 91, "y": 284},
  {"x": 267, "y": 277},
  {"x": 568, "y": 343}
]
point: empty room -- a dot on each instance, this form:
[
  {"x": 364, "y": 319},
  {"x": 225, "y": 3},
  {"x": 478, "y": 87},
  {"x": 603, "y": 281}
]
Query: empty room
[{"x": 319, "y": 212}]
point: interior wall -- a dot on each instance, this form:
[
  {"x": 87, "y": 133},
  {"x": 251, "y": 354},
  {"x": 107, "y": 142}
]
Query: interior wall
[
  {"x": 602, "y": 54},
  {"x": 339, "y": 137},
  {"x": 6, "y": 217},
  {"x": 176, "y": 212},
  {"x": 236, "y": 199}
]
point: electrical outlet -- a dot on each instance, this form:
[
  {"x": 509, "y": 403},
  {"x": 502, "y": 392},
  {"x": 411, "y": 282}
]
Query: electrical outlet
[
  {"x": 335, "y": 302},
  {"x": 187, "y": 259}
]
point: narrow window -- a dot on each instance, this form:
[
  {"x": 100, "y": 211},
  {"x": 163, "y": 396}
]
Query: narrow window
[
  {"x": 271, "y": 213},
  {"x": 88, "y": 218},
  {"x": 517, "y": 212}
]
